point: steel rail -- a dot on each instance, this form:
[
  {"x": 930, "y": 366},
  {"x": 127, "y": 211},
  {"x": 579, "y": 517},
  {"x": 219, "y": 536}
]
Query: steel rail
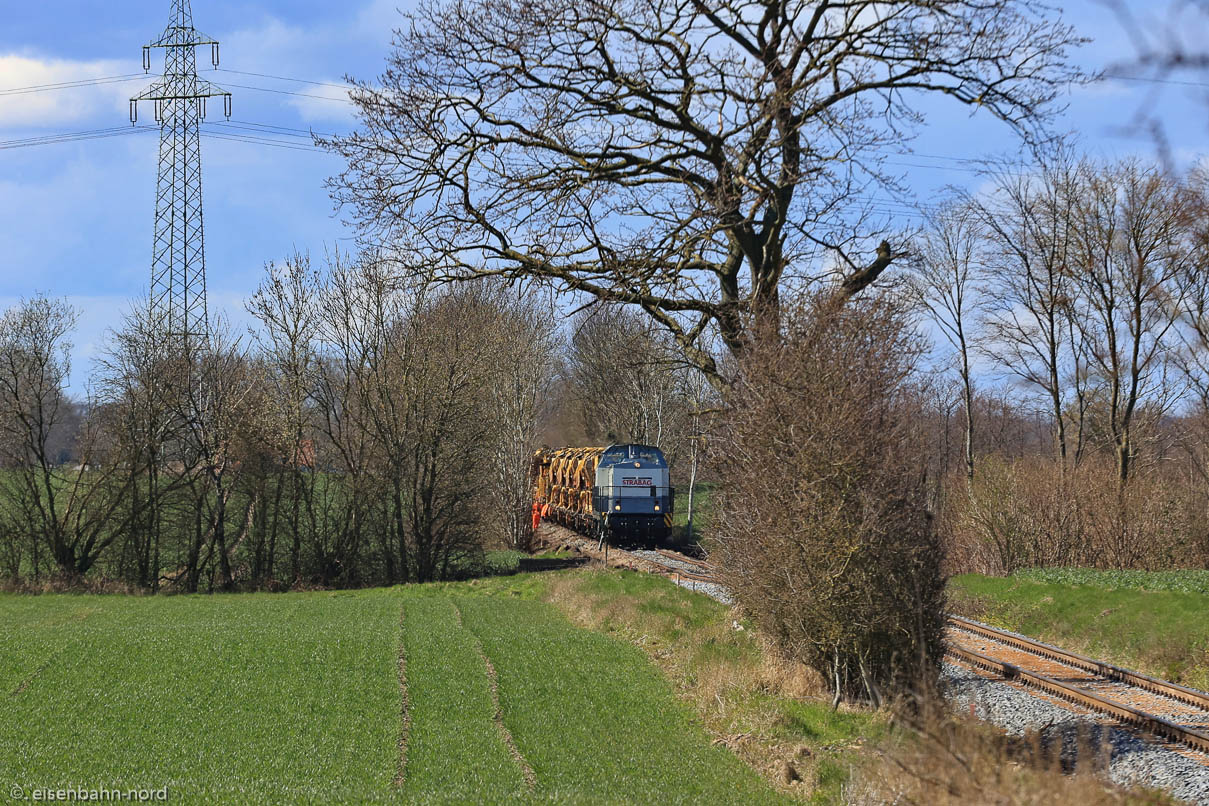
[
  {"x": 1154, "y": 685},
  {"x": 684, "y": 558},
  {"x": 1156, "y": 725}
]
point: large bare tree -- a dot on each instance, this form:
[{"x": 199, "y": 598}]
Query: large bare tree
[
  {"x": 624, "y": 375},
  {"x": 681, "y": 156},
  {"x": 1031, "y": 306},
  {"x": 286, "y": 308},
  {"x": 68, "y": 515},
  {"x": 1132, "y": 255}
]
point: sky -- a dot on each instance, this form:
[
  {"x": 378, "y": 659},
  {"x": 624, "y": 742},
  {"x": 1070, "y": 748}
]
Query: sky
[{"x": 76, "y": 217}]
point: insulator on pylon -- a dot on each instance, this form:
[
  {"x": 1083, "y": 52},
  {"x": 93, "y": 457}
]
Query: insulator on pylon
[
  {"x": 134, "y": 111},
  {"x": 226, "y": 105},
  {"x": 214, "y": 54},
  {"x": 146, "y": 58}
]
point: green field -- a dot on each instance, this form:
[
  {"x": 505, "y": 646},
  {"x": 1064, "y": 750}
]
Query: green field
[
  {"x": 703, "y": 507},
  {"x": 270, "y": 698},
  {"x": 1155, "y": 622}
]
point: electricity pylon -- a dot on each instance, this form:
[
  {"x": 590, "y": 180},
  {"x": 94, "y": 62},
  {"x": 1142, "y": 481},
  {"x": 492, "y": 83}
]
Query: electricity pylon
[{"x": 178, "y": 263}]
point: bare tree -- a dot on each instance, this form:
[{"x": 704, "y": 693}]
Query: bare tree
[
  {"x": 73, "y": 514},
  {"x": 404, "y": 404},
  {"x": 1028, "y": 219},
  {"x": 946, "y": 282},
  {"x": 698, "y": 397},
  {"x": 1130, "y": 255},
  {"x": 221, "y": 408},
  {"x": 682, "y": 157},
  {"x": 521, "y": 349},
  {"x": 1164, "y": 47},
  {"x": 358, "y": 306},
  {"x": 285, "y": 305},
  {"x": 134, "y": 378},
  {"x": 446, "y": 368},
  {"x": 1193, "y": 356},
  {"x": 624, "y": 373}
]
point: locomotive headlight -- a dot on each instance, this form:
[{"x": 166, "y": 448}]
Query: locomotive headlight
[
  {"x": 656, "y": 507},
  {"x": 638, "y": 464},
  {"x": 617, "y": 506}
]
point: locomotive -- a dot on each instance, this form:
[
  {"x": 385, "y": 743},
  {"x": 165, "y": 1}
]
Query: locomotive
[{"x": 621, "y": 493}]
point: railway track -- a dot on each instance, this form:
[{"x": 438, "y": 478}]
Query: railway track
[
  {"x": 685, "y": 566},
  {"x": 1155, "y": 706}
]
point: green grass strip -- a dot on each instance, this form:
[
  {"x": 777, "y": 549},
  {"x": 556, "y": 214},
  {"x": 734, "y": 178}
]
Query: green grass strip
[
  {"x": 455, "y": 752},
  {"x": 594, "y": 718},
  {"x": 1176, "y": 581}
]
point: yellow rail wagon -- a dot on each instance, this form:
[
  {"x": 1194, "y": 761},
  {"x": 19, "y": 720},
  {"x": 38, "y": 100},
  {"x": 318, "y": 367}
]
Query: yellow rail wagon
[{"x": 622, "y": 492}]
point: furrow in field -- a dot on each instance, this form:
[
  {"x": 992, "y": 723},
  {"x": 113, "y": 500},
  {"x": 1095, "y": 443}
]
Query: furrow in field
[
  {"x": 498, "y": 716},
  {"x": 453, "y": 745},
  {"x": 405, "y": 707},
  {"x": 592, "y": 714}
]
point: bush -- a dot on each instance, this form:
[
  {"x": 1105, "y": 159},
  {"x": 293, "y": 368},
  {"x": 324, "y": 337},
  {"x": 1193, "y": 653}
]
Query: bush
[
  {"x": 821, "y": 520},
  {"x": 1031, "y": 512}
]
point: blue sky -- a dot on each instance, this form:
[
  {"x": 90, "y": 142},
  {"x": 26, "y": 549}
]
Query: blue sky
[{"x": 76, "y": 217}]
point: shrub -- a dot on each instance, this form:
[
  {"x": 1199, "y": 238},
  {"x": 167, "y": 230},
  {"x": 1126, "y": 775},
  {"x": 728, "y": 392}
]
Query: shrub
[
  {"x": 821, "y": 522},
  {"x": 1032, "y": 512}
]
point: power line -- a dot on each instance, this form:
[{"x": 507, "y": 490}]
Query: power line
[
  {"x": 272, "y": 128},
  {"x": 269, "y": 134},
  {"x": 1151, "y": 80},
  {"x": 67, "y": 85},
  {"x": 289, "y": 78},
  {"x": 963, "y": 164},
  {"x": 244, "y": 138},
  {"x": 290, "y": 92},
  {"x": 118, "y": 131},
  {"x": 68, "y": 137},
  {"x": 132, "y": 76},
  {"x": 87, "y": 82}
]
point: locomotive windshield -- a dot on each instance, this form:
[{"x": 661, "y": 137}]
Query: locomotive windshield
[
  {"x": 647, "y": 454},
  {"x": 644, "y": 453}
]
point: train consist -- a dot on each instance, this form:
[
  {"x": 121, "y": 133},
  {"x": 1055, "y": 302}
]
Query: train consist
[{"x": 621, "y": 493}]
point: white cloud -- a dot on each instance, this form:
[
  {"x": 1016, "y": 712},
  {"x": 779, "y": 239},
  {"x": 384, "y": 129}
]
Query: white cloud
[
  {"x": 49, "y": 106},
  {"x": 323, "y": 103},
  {"x": 379, "y": 19},
  {"x": 279, "y": 48}
]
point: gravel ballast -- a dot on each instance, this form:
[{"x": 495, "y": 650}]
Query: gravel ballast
[
  {"x": 1131, "y": 759},
  {"x": 710, "y": 589}
]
